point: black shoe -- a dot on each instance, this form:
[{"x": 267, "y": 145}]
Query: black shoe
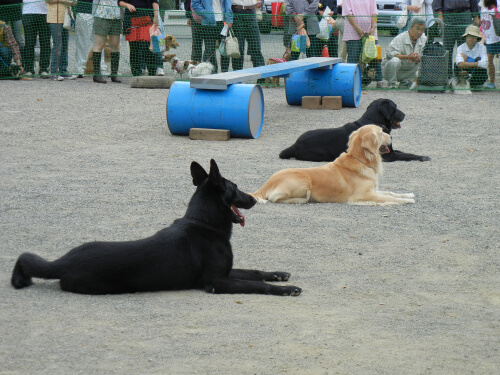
[
  {"x": 115, "y": 79},
  {"x": 99, "y": 79},
  {"x": 80, "y": 76}
]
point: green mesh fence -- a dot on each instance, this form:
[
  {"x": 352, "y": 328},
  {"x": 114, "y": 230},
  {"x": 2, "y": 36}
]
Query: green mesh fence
[{"x": 47, "y": 48}]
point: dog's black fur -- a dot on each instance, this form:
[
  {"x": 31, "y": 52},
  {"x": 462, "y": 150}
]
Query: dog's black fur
[
  {"x": 194, "y": 252},
  {"x": 328, "y": 144}
]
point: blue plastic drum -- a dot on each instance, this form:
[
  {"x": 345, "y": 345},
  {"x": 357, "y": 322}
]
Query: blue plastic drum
[
  {"x": 342, "y": 80},
  {"x": 239, "y": 109}
]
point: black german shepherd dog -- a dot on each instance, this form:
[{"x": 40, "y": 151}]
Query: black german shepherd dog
[
  {"x": 193, "y": 253},
  {"x": 328, "y": 144}
]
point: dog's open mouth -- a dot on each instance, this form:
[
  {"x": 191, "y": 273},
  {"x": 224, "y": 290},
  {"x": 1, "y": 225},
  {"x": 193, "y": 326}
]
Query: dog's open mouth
[
  {"x": 237, "y": 216},
  {"x": 384, "y": 149},
  {"x": 396, "y": 125}
]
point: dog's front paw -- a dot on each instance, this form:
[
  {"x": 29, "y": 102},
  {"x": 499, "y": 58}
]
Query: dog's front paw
[
  {"x": 281, "y": 276},
  {"x": 293, "y": 291}
]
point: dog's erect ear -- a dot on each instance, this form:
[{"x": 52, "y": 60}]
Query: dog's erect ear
[
  {"x": 198, "y": 173},
  {"x": 215, "y": 176}
]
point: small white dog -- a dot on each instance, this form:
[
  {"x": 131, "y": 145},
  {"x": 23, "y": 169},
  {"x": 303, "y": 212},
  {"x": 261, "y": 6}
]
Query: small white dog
[
  {"x": 460, "y": 84},
  {"x": 187, "y": 68}
]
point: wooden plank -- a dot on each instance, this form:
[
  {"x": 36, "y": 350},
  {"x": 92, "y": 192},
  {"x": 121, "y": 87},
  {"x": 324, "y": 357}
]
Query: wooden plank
[
  {"x": 220, "y": 81},
  {"x": 151, "y": 82},
  {"x": 209, "y": 134}
]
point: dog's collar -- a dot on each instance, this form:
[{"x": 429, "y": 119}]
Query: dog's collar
[{"x": 361, "y": 162}]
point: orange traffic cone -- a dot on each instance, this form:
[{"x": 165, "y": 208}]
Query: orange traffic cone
[{"x": 324, "y": 53}]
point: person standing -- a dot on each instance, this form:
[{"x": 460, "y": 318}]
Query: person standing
[
  {"x": 492, "y": 40},
  {"x": 35, "y": 25},
  {"x": 303, "y": 17},
  {"x": 60, "y": 36},
  {"x": 361, "y": 21},
  {"x": 11, "y": 14},
  {"x": 456, "y": 15},
  {"x": 213, "y": 13},
  {"x": 245, "y": 27},
  {"x": 107, "y": 22},
  {"x": 139, "y": 16},
  {"x": 83, "y": 33}
]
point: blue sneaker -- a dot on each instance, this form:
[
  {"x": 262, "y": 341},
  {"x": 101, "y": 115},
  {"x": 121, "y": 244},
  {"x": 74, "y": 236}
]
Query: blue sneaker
[{"x": 490, "y": 86}]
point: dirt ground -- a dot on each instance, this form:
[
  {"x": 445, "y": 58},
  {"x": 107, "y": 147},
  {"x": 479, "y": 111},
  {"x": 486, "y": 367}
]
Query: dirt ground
[{"x": 411, "y": 289}]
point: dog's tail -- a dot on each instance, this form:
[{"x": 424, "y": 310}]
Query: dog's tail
[
  {"x": 29, "y": 265},
  {"x": 288, "y": 153}
]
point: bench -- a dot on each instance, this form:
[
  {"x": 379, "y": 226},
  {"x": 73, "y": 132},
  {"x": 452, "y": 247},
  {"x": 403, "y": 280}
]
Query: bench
[{"x": 227, "y": 101}]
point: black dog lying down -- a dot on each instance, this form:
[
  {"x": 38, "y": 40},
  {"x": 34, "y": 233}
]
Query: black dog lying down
[
  {"x": 194, "y": 252},
  {"x": 328, "y": 144}
]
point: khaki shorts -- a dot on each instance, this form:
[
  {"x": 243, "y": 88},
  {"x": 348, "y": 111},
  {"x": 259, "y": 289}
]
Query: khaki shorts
[{"x": 103, "y": 26}]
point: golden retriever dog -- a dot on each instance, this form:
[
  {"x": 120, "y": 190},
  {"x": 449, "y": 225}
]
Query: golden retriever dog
[{"x": 351, "y": 178}]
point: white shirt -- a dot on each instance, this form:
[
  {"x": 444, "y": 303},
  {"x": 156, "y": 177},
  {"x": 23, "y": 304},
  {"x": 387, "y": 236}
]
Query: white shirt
[
  {"x": 217, "y": 8},
  {"x": 34, "y": 7},
  {"x": 487, "y": 26},
  {"x": 479, "y": 50}
]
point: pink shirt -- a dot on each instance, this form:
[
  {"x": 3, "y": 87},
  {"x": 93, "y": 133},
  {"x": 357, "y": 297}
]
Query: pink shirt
[{"x": 362, "y": 8}]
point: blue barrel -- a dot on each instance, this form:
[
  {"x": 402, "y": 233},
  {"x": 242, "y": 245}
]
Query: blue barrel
[
  {"x": 342, "y": 80},
  {"x": 239, "y": 109}
]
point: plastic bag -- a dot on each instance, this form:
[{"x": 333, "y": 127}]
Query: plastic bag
[
  {"x": 369, "y": 50},
  {"x": 69, "y": 20},
  {"x": 298, "y": 43},
  {"x": 157, "y": 34},
  {"x": 324, "y": 28}
]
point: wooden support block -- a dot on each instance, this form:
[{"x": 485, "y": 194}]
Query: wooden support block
[
  {"x": 332, "y": 102},
  {"x": 151, "y": 82},
  {"x": 209, "y": 134},
  {"x": 311, "y": 102}
]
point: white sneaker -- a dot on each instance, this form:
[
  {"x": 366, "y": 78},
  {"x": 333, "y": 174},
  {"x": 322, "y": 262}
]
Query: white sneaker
[
  {"x": 68, "y": 76},
  {"x": 57, "y": 78},
  {"x": 160, "y": 72},
  {"x": 44, "y": 75}
]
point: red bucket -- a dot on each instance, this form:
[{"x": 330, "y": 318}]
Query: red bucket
[{"x": 277, "y": 18}]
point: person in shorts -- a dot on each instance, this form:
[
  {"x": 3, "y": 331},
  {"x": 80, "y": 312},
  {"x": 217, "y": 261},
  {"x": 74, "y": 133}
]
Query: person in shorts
[
  {"x": 491, "y": 39},
  {"x": 107, "y": 25}
]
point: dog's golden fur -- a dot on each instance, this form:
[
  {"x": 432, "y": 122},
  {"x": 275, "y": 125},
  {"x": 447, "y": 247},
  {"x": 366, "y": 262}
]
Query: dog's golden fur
[{"x": 351, "y": 178}]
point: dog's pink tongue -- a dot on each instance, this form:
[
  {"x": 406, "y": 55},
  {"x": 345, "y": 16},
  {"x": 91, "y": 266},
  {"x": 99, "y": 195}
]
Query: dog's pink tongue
[{"x": 240, "y": 215}]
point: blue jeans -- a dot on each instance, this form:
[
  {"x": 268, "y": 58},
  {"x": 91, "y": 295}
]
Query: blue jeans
[{"x": 59, "y": 60}]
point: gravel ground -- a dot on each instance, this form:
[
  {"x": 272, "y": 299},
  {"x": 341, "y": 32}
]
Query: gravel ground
[{"x": 410, "y": 289}]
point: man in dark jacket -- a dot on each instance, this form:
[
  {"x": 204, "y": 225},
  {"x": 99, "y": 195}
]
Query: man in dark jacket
[{"x": 456, "y": 16}]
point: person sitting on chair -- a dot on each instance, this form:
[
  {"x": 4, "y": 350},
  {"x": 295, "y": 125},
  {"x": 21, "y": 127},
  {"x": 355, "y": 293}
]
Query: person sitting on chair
[
  {"x": 403, "y": 55},
  {"x": 472, "y": 58}
]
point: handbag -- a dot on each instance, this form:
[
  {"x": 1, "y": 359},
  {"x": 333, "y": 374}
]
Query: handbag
[
  {"x": 370, "y": 51},
  {"x": 403, "y": 19},
  {"x": 69, "y": 20},
  {"x": 232, "y": 45},
  {"x": 324, "y": 28}
]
